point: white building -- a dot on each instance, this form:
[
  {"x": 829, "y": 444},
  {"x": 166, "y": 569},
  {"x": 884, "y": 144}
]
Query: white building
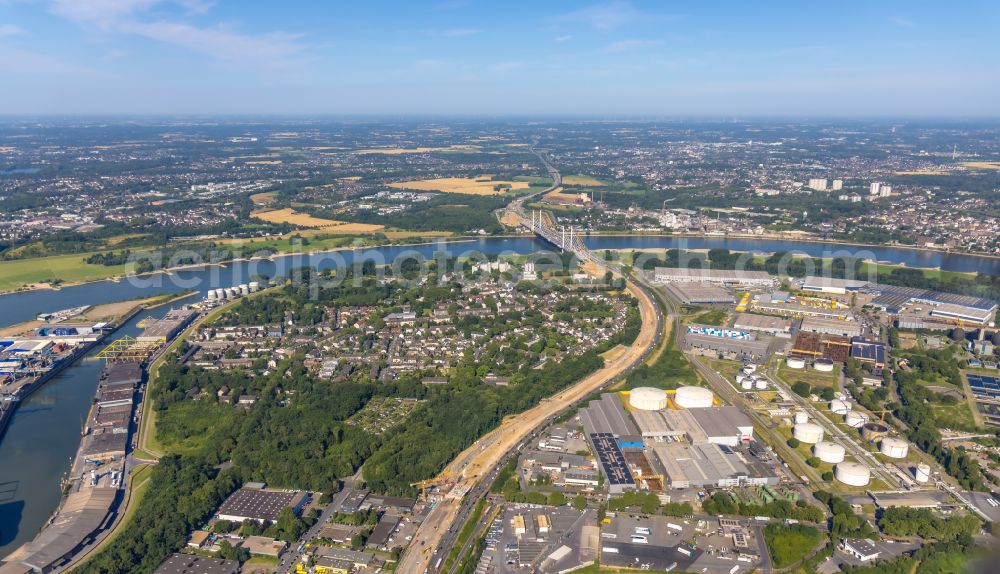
[
  {"x": 818, "y": 184},
  {"x": 838, "y": 184},
  {"x": 862, "y": 549}
]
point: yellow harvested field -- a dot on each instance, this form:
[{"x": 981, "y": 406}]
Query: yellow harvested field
[
  {"x": 557, "y": 196},
  {"x": 400, "y": 150},
  {"x": 291, "y": 216},
  {"x": 263, "y": 198},
  {"x": 982, "y": 164},
  {"x": 464, "y": 185},
  {"x": 582, "y": 180},
  {"x": 510, "y": 219}
]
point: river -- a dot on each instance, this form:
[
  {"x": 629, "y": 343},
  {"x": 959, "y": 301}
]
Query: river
[{"x": 45, "y": 431}]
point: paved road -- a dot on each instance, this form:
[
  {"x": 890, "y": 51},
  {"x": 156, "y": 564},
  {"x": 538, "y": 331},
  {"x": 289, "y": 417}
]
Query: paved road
[{"x": 479, "y": 464}]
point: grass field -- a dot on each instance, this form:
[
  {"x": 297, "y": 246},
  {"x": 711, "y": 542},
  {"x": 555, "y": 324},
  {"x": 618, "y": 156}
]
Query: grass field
[
  {"x": 401, "y": 150},
  {"x": 789, "y": 544},
  {"x": 582, "y": 181},
  {"x": 67, "y": 268},
  {"x": 293, "y": 217},
  {"x": 810, "y": 375},
  {"x": 463, "y": 185}
]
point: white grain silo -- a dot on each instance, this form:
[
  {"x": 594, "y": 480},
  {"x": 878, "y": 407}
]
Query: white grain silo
[
  {"x": 233, "y": 292},
  {"x": 830, "y": 452},
  {"x": 647, "y": 399},
  {"x": 855, "y": 420},
  {"x": 693, "y": 397},
  {"x": 211, "y": 295},
  {"x": 795, "y": 363},
  {"x": 923, "y": 473},
  {"x": 254, "y": 286},
  {"x": 809, "y": 433},
  {"x": 244, "y": 289},
  {"x": 839, "y": 407},
  {"x": 853, "y": 474},
  {"x": 801, "y": 417},
  {"x": 894, "y": 447}
]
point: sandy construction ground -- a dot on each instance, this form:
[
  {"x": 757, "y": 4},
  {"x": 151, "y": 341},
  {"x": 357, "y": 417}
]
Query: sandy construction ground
[
  {"x": 559, "y": 196},
  {"x": 582, "y": 180},
  {"x": 923, "y": 172},
  {"x": 289, "y": 215},
  {"x": 463, "y": 185},
  {"x": 263, "y": 198},
  {"x": 982, "y": 164}
]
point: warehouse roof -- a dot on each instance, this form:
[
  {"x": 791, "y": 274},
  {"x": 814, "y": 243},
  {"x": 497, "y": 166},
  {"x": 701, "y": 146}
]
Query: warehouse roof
[{"x": 192, "y": 564}]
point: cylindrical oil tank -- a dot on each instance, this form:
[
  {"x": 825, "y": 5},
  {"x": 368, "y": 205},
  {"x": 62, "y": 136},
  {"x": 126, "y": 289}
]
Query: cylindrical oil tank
[
  {"x": 809, "y": 433},
  {"x": 852, "y": 474},
  {"x": 830, "y": 452},
  {"x": 233, "y": 292},
  {"x": 801, "y": 417},
  {"x": 211, "y": 295},
  {"x": 795, "y": 363},
  {"x": 894, "y": 447},
  {"x": 874, "y": 431},
  {"x": 647, "y": 399},
  {"x": 693, "y": 397},
  {"x": 760, "y": 384},
  {"x": 746, "y": 384},
  {"x": 825, "y": 365},
  {"x": 856, "y": 420},
  {"x": 839, "y": 407},
  {"x": 254, "y": 286},
  {"x": 923, "y": 473},
  {"x": 244, "y": 289}
]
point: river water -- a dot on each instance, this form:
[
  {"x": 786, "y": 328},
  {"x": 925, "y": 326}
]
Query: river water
[{"x": 45, "y": 431}]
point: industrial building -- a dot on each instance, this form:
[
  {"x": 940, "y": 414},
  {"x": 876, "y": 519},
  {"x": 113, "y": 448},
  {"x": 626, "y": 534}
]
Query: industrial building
[
  {"x": 718, "y": 276},
  {"x": 779, "y": 304},
  {"x": 607, "y": 416},
  {"x": 254, "y": 502},
  {"x": 948, "y": 306},
  {"x": 612, "y": 462},
  {"x": 700, "y": 293},
  {"x": 709, "y": 465},
  {"x": 165, "y": 329},
  {"x": 777, "y": 326},
  {"x": 727, "y": 348},
  {"x": 194, "y": 564},
  {"x": 840, "y": 327},
  {"x": 871, "y": 352},
  {"x": 832, "y": 285},
  {"x": 724, "y": 425}
]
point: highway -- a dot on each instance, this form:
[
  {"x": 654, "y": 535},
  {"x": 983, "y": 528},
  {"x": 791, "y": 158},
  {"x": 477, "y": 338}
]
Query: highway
[{"x": 477, "y": 466}]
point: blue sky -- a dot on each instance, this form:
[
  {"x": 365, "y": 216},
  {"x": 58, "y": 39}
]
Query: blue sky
[{"x": 610, "y": 59}]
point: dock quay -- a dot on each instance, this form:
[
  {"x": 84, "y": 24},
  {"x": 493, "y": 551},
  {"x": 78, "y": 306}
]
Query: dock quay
[{"x": 96, "y": 484}]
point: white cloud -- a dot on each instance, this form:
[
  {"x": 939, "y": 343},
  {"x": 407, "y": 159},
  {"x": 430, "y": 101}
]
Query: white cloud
[
  {"x": 561, "y": 39},
  {"x": 626, "y": 45},
  {"x": 137, "y": 17},
  {"x": 603, "y": 16},
  {"x": 8, "y": 30},
  {"x": 901, "y": 22}
]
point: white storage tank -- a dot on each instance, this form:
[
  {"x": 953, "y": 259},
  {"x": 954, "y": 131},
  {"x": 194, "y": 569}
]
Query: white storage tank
[
  {"x": 746, "y": 384},
  {"x": 244, "y": 289},
  {"x": 254, "y": 286},
  {"x": 894, "y": 447},
  {"x": 750, "y": 369},
  {"x": 647, "y": 399},
  {"x": 855, "y": 420},
  {"x": 852, "y": 474},
  {"x": 839, "y": 407},
  {"x": 801, "y": 417},
  {"x": 211, "y": 295},
  {"x": 761, "y": 384},
  {"x": 830, "y": 452},
  {"x": 795, "y": 363},
  {"x": 693, "y": 397},
  {"x": 809, "y": 433},
  {"x": 824, "y": 365},
  {"x": 923, "y": 473}
]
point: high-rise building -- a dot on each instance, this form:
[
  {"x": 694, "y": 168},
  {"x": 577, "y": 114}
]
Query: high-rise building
[
  {"x": 818, "y": 184},
  {"x": 875, "y": 186},
  {"x": 838, "y": 184},
  {"x": 885, "y": 190}
]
